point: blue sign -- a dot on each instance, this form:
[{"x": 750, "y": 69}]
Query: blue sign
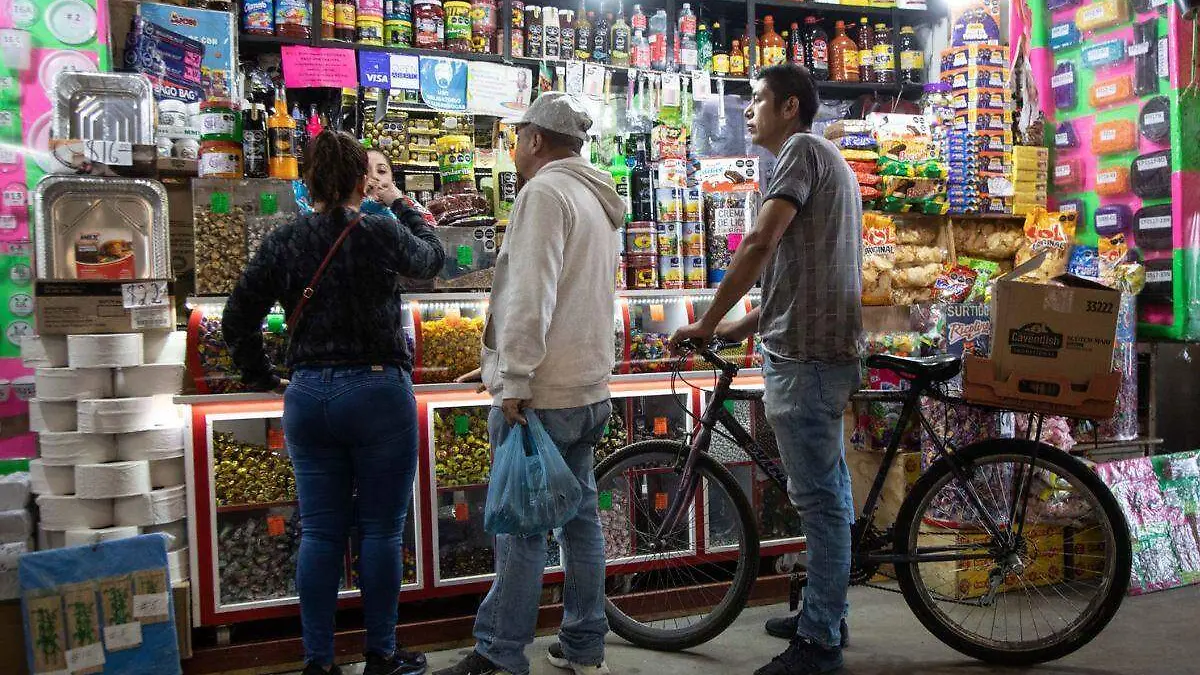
[
  {"x": 444, "y": 82},
  {"x": 375, "y": 69}
]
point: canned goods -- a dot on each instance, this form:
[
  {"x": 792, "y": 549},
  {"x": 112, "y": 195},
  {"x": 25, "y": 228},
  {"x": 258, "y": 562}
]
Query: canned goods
[
  {"x": 669, "y": 204},
  {"x": 640, "y": 240},
  {"x": 668, "y": 238},
  {"x": 691, "y": 239},
  {"x": 670, "y": 271},
  {"x": 695, "y": 272},
  {"x": 642, "y": 271}
]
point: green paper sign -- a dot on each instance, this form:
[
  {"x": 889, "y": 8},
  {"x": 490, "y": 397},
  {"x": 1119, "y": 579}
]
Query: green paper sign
[
  {"x": 268, "y": 203},
  {"x": 605, "y": 500},
  {"x": 219, "y": 202},
  {"x": 462, "y": 425},
  {"x": 465, "y": 256}
]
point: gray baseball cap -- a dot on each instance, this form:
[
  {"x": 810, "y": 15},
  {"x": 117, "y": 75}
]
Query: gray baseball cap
[{"x": 557, "y": 111}]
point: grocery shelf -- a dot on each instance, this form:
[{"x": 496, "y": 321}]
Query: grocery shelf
[
  {"x": 261, "y": 42},
  {"x": 466, "y": 56},
  {"x": 261, "y": 506},
  {"x": 900, "y": 16}
]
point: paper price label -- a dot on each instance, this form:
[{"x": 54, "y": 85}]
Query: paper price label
[
  {"x": 276, "y": 527},
  {"x": 1108, "y": 135},
  {"x": 1155, "y": 223},
  {"x": 660, "y": 426},
  {"x": 147, "y": 318},
  {"x": 1164, "y": 58},
  {"x": 112, "y": 153},
  {"x": 1158, "y": 276},
  {"x": 1061, "y": 140},
  {"x": 1058, "y": 31},
  {"x": 1093, "y": 13},
  {"x": 1107, "y": 91},
  {"x": 1139, "y": 49},
  {"x": 8, "y": 156},
  {"x": 1106, "y": 178},
  {"x": 14, "y": 197},
  {"x": 144, "y": 294},
  {"x": 1062, "y": 171},
  {"x": 660, "y": 501},
  {"x": 1151, "y": 163},
  {"x": 1062, "y": 79},
  {"x": 85, "y": 658},
  {"x": 1107, "y": 220},
  {"x": 1155, "y": 118},
  {"x": 151, "y": 604},
  {"x": 124, "y": 636},
  {"x": 461, "y": 512}
]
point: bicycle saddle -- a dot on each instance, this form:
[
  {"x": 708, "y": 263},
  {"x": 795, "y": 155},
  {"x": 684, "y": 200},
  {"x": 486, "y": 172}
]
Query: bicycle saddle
[{"x": 932, "y": 368}]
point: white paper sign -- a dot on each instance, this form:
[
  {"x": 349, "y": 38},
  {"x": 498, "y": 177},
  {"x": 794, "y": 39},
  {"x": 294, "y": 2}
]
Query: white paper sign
[
  {"x": 112, "y": 153},
  {"x": 701, "y": 85},
  {"x": 16, "y": 47},
  {"x": 147, "y": 318},
  {"x": 495, "y": 89},
  {"x": 84, "y": 658},
  {"x": 151, "y": 604},
  {"x": 670, "y": 90},
  {"x": 144, "y": 294},
  {"x": 575, "y": 78},
  {"x": 593, "y": 81},
  {"x": 405, "y": 71},
  {"x": 124, "y": 636}
]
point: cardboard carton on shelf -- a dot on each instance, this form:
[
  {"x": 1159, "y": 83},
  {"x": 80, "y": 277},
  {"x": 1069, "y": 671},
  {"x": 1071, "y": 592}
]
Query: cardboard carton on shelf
[{"x": 1052, "y": 347}]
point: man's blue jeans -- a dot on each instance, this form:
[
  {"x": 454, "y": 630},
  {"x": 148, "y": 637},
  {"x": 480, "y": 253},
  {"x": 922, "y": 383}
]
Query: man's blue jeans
[
  {"x": 804, "y": 404},
  {"x": 507, "y": 618},
  {"x": 348, "y": 430}
]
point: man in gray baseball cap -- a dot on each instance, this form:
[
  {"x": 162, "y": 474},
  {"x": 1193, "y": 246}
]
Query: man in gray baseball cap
[{"x": 547, "y": 349}]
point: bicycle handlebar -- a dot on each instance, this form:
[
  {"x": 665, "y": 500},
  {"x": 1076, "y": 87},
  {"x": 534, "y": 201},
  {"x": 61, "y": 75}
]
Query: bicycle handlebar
[{"x": 708, "y": 352}]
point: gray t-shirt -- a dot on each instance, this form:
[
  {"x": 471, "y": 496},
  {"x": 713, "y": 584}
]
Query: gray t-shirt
[{"x": 812, "y": 286}]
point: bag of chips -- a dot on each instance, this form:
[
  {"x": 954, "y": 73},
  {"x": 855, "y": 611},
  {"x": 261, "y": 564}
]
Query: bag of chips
[
  {"x": 879, "y": 248},
  {"x": 1051, "y": 233}
]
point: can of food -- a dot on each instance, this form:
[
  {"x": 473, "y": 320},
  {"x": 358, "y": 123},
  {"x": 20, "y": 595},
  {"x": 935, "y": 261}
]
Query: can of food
[
  {"x": 670, "y": 271},
  {"x": 695, "y": 272},
  {"x": 669, "y": 203},
  {"x": 640, "y": 239},
  {"x": 668, "y": 238},
  {"x": 642, "y": 271},
  {"x": 692, "y": 205},
  {"x": 691, "y": 239}
]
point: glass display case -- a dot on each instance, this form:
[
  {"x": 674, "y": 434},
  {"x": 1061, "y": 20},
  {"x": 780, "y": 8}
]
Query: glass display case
[
  {"x": 209, "y": 363},
  {"x": 650, "y": 320},
  {"x": 232, "y": 218},
  {"x": 247, "y": 523},
  {"x": 738, "y": 354},
  {"x": 448, "y": 332}
]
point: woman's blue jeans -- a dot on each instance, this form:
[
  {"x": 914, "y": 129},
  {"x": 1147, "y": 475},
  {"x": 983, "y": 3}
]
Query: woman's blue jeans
[{"x": 351, "y": 430}]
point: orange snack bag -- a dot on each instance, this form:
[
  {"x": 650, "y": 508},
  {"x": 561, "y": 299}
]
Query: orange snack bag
[
  {"x": 1105, "y": 93},
  {"x": 1112, "y": 181},
  {"x": 1114, "y": 136}
]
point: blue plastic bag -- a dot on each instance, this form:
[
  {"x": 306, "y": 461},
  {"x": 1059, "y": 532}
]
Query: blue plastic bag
[{"x": 532, "y": 490}]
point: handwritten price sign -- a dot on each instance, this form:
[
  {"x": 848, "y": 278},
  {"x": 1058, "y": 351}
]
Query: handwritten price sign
[{"x": 144, "y": 294}]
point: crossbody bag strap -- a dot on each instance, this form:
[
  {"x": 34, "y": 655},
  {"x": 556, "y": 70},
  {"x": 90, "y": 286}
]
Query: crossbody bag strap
[{"x": 310, "y": 289}]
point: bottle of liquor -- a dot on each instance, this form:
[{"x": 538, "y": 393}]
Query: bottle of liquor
[
  {"x": 301, "y": 140},
  {"x": 795, "y": 43},
  {"x": 566, "y": 34},
  {"x": 600, "y": 28},
  {"x": 583, "y": 34},
  {"x": 639, "y": 50},
  {"x": 771, "y": 45},
  {"x": 737, "y": 60},
  {"x": 254, "y": 141},
  {"x": 912, "y": 57},
  {"x": 843, "y": 56},
  {"x": 816, "y": 48},
  {"x": 866, "y": 51},
  {"x": 281, "y": 135},
  {"x": 551, "y": 36},
  {"x": 720, "y": 49},
  {"x": 619, "y": 41},
  {"x": 535, "y": 46},
  {"x": 641, "y": 185}
]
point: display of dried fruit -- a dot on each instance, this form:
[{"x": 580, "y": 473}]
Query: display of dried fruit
[
  {"x": 615, "y": 436},
  {"x": 449, "y": 347},
  {"x": 246, "y": 473},
  {"x": 256, "y": 557},
  {"x": 461, "y": 451}
]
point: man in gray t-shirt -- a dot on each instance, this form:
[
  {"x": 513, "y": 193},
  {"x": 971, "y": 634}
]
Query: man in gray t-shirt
[{"x": 805, "y": 247}]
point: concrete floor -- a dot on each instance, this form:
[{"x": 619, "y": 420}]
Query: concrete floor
[{"x": 1151, "y": 635}]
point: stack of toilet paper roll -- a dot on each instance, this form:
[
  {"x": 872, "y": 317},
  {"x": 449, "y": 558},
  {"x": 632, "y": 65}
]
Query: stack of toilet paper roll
[
  {"x": 16, "y": 531},
  {"x": 111, "y": 459}
]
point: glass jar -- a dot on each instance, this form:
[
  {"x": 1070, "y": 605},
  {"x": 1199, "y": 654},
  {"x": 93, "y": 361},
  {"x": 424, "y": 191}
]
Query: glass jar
[{"x": 429, "y": 20}]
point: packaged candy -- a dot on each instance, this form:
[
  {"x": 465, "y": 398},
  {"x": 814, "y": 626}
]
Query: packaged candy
[
  {"x": 1151, "y": 175},
  {"x": 1064, "y": 35},
  {"x": 954, "y": 283},
  {"x": 1113, "y": 136},
  {"x": 1153, "y": 227},
  {"x": 1064, "y": 136},
  {"x": 1106, "y": 53},
  {"x": 1084, "y": 262},
  {"x": 1074, "y": 207},
  {"x": 1049, "y": 232},
  {"x": 985, "y": 271},
  {"x": 1112, "y": 181},
  {"x": 1068, "y": 175},
  {"x": 856, "y": 142},
  {"x": 860, "y": 155},
  {"x": 1112, "y": 219},
  {"x": 848, "y": 127},
  {"x": 868, "y": 192},
  {"x": 1110, "y": 92},
  {"x": 1154, "y": 121},
  {"x": 1111, "y": 251},
  {"x": 862, "y": 167},
  {"x": 879, "y": 247},
  {"x": 1102, "y": 14},
  {"x": 1063, "y": 85}
]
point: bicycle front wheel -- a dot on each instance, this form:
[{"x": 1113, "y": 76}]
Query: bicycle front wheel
[
  {"x": 680, "y": 587},
  {"x": 1020, "y": 561}
]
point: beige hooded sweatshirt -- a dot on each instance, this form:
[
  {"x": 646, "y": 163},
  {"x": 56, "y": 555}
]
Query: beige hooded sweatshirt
[{"x": 549, "y": 334}]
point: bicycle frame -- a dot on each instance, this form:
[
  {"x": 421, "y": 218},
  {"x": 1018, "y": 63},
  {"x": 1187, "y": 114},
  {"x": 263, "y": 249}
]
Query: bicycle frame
[{"x": 715, "y": 413}]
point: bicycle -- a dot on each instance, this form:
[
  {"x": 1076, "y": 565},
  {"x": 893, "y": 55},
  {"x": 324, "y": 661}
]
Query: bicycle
[{"x": 978, "y": 575}]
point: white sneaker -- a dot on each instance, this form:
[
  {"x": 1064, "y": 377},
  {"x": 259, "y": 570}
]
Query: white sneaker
[{"x": 555, "y": 655}]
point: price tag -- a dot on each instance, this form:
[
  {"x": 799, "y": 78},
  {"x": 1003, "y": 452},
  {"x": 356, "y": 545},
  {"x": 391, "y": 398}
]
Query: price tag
[
  {"x": 1106, "y": 177},
  {"x": 1062, "y": 171},
  {"x": 146, "y": 318},
  {"x": 1107, "y": 91},
  {"x": 593, "y": 81},
  {"x": 144, "y": 294},
  {"x": 1139, "y": 49},
  {"x": 1151, "y": 163},
  {"x": 112, "y": 153},
  {"x": 604, "y": 499},
  {"x": 733, "y": 241},
  {"x": 14, "y": 196},
  {"x": 1062, "y": 79},
  {"x": 275, "y": 440},
  {"x": 701, "y": 85},
  {"x": 660, "y": 501},
  {"x": 268, "y": 203},
  {"x": 1108, "y": 135},
  {"x": 461, "y": 512},
  {"x": 8, "y": 223},
  {"x": 1158, "y": 276},
  {"x": 124, "y": 636},
  {"x": 16, "y": 47},
  {"x": 8, "y": 156},
  {"x": 670, "y": 90},
  {"x": 658, "y": 313},
  {"x": 276, "y": 527},
  {"x": 1154, "y": 118},
  {"x": 1164, "y": 58},
  {"x": 462, "y": 425},
  {"x": 151, "y": 604},
  {"x": 85, "y": 658},
  {"x": 660, "y": 426},
  {"x": 1154, "y": 223},
  {"x": 465, "y": 256}
]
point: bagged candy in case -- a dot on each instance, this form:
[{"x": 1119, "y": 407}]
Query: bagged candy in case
[{"x": 1063, "y": 85}]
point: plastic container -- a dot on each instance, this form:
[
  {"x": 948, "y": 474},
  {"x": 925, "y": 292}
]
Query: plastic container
[
  {"x": 1111, "y": 92},
  {"x": 220, "y": 121},
  {"x": 220, "y": 159},
  {"x": 1112, "y": 219},
  {"x": 457, "y": 32},
  {"x": 642, "y": 270},
  {"x": 470, "y": 256},
  {"x": 429, "y": 24},
  {"x": 667, "y": 236},
  {"x": 641, "y": 239}
]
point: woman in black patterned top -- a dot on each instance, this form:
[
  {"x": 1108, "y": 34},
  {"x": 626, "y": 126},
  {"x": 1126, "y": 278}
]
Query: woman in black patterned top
[{"x": 349, "y": 415}]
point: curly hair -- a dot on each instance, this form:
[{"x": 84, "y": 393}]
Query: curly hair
[{"x": 336, "y": 164}]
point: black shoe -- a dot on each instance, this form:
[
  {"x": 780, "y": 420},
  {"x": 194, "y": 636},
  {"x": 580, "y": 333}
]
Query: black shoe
[
  {"x": 804, "y": 657},
  {"x": 314, "y": 669},
  {"x": 401, "y": 663},
  {"x": 474, "y": 664},
  {"x": 785, "y": 628}
]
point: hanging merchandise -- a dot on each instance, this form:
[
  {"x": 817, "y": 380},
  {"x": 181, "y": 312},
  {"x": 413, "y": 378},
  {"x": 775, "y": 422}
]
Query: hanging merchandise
[
  {"x": 1063, "y": 85},
  {"x": 1112, "y": 92},
  {"x": 1101, "y": 14},
  {"x": 258, "y": 17},
  {"x": 1064, "y": 35},
  {"x": 1102, "y": 54},
  {"x": 1064, "y": 136}
]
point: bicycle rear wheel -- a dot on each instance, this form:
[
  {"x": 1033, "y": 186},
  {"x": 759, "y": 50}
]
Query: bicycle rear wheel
[
  {"x": 1043, "y": 586},
  {"x": 683, "y": 588}
]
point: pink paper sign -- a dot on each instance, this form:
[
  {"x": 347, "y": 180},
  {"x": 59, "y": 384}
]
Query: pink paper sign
[{"x": 319, "y": 67}]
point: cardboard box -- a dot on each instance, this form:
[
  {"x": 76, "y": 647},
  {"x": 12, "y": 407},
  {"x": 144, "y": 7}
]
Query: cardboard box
[
  {"x": 971, "y": 579},
  {"x": 88, "y": 307}
]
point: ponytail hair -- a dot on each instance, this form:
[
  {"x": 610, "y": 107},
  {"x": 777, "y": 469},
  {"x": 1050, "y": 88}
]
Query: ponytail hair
[{"x": 337, "y": 164}]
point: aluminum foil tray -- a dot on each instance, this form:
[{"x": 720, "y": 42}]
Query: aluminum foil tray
[
  {"x": 101, "y": 228},
  {"x": 103, "y": 107}
]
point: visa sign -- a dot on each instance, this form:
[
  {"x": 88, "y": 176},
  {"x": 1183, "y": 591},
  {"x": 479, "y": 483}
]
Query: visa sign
[{"x": 389, "y": 71}]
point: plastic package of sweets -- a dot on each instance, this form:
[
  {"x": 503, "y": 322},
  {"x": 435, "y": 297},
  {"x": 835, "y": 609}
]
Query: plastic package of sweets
[
  {"x": 879, "y": 247},
  {"x": 1114, "y": 136}
]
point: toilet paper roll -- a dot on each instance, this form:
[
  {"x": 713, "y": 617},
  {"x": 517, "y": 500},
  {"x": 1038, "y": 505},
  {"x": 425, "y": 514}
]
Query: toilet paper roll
[
  {"x": 164, "y": 443},
  {"x": 165, "y": 473},
  {"x": 51, "y": 480},
  {"x": 73, "y": 384},
  {"x": 48, "y": 539},
  {"x": 178, "y": 566},
  {"x": 125, "y": 415},
  {"x": 69, "y": 448},
  {"x": 164, "y": 347},
  {"x": 114, "y": 479},
  {"x": 116, "y": 350},
  {"x": 15, "y": 525},
  {"x": 176, "y": 529},
  {"x": 51, "y": 416},
  {"x": 62, "y": 513},
  {"x": 157, "y": 508},
  {"x": 152, "y": 380},
  {"x": 44, "y": 351},
  {"x": 90, "y": 536},
  {"x": 14, "y": 490}
]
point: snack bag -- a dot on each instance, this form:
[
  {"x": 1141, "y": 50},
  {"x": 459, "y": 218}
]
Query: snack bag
[
  {"x": 955, "y": 282},
  {"x": 1051, "y": 232},
  {"x": 1111, "y": 251},
  {"x": 879, "y": 249},
  {"x": 985, "y": 271}
]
